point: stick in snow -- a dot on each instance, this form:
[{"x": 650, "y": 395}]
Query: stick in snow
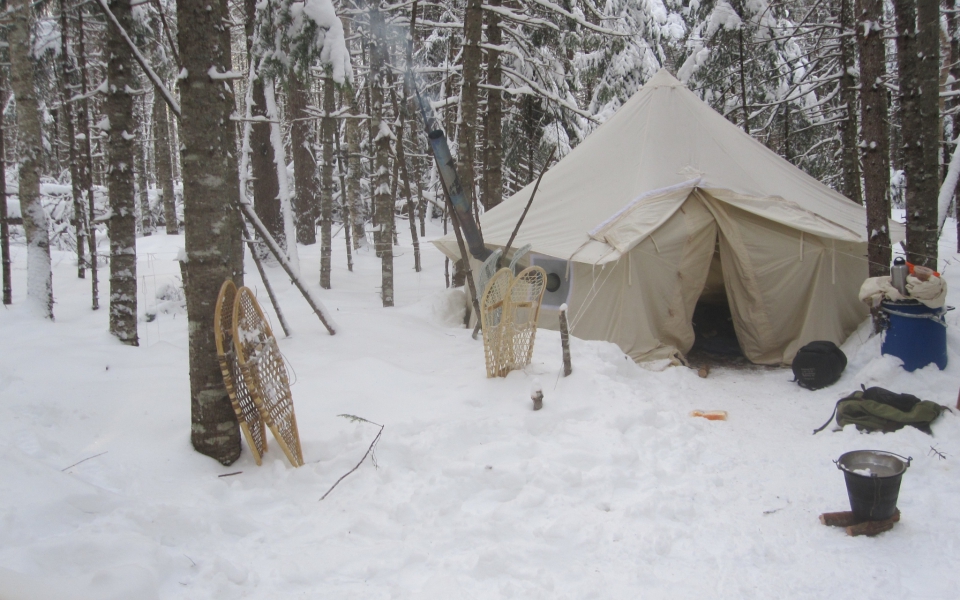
[
  {"x": 84, "y": 460},
  {"x": 565, "y": 341},
  {"x": 344, "y": 476}
]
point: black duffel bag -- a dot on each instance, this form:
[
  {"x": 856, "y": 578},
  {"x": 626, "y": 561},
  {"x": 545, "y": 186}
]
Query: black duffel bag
[{"x": 818, "y": 365}]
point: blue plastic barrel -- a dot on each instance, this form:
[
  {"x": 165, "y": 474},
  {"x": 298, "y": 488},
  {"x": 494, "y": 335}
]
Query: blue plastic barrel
[{"x": 916, "y": 333}]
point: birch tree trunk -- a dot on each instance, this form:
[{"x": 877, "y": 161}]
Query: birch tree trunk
[
  {"x": 210, "y": 191},
  {"x": 122, "y": 223},
  {"x": 918, "y": 61},
  {"x": 874, "y": 134},
  {"x": 379, "y": 78},
  {"x": 304, "y": 165},
  {"x": 161, "y": 152},
  {"x": 328, "y": 127},
  {"x": 493, "y": 126},
  {"x": 39, "y": 277}
]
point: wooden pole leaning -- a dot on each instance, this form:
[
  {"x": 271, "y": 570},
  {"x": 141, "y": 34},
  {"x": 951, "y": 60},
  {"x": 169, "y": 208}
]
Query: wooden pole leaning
[
  {"x": 318, "y": 309},
  {"x": 266, "y": 283}
]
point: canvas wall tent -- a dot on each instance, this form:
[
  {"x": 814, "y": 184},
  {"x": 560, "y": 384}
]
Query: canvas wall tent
[{"x": 668, "y": 202}]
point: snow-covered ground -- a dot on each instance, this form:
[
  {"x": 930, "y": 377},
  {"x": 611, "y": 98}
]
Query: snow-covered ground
[{"x": 610, "y": 491}]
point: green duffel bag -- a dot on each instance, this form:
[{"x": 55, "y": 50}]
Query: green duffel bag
[{"x": 877, "y": 409}]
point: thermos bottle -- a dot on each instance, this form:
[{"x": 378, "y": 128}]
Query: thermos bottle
[{"x": 898, "y": 275}]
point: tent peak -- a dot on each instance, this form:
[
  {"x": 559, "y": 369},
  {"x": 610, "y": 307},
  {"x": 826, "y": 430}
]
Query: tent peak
[{"x": 663, "y": 78}]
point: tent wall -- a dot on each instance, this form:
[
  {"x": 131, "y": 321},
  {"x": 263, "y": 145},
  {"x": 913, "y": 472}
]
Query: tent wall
[
  {"x": 785, "y": 288},
  {"x": 644, "y": 301}
]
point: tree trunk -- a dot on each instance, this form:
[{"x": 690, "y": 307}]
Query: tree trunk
[
  {"x": 493, "y": 130},
  {"x": 143, "y": 181},
  {"x": 328, "y": 129},
  {"x": 161, "y": 152},
  {"x": 4, "y": 226},
  {"x": 954, "y": 61},
  {"x": 401, "y": 108},
  {"x": 407, "y": 101},
  {"x": 122, "y": 223},
  {"x": 344, "y": 204},
  {"x": 354, "y": 169},
  {"x": 39, "y": 277},
  {"x": 351, "y": 132},
  {"x": 70, "y": 88},
  {"x": 875, "y": 134},
  {"x": 918, "y": 61},
  {"x": 304, "y": 165},
  {"x": 743, "y": 84},
  {"x": 85, "y": 164},
  {"x": 413, "y": 128},
  {"x": 848, "y": 100},
  {"x": 379, "y": 79},
  {"x": 266, "y": 185},
  {"x": 210, "y": 191},
  {"x": 371, "y": 135},
  {"x": 469, "y": 92}
]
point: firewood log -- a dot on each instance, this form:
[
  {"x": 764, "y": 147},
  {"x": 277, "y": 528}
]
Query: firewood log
[{"x": 870, "y": 528}]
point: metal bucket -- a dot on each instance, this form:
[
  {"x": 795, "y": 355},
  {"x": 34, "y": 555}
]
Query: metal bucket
[{"x": 873, "y": 482}]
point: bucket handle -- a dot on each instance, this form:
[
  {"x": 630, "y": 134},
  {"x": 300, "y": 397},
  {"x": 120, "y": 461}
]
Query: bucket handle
[
  {"x": 936, "y": 318},
  {"x": 909, "y": 459}
]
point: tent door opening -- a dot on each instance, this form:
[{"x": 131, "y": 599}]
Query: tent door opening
[{"x": 713, "y": 326}]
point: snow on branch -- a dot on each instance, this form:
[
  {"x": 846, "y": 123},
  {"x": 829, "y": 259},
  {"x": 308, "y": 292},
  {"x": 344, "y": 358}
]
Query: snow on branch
[
  {"x": 100, "y": 89},
  {"x": 532, "y": 89},
  {"x": 216, "y": 75},
  {"x": 504, "y": 49},
  {"x": 578, "y": 19},
  {"x": 297, "y": 33},
  {"x": 519, "y": 18}
]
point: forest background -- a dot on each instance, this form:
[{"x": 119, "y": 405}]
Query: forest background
[{"x": 239, "y": 123}]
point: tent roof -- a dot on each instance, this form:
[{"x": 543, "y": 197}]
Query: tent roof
[{"x": 635, "y": 170}]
